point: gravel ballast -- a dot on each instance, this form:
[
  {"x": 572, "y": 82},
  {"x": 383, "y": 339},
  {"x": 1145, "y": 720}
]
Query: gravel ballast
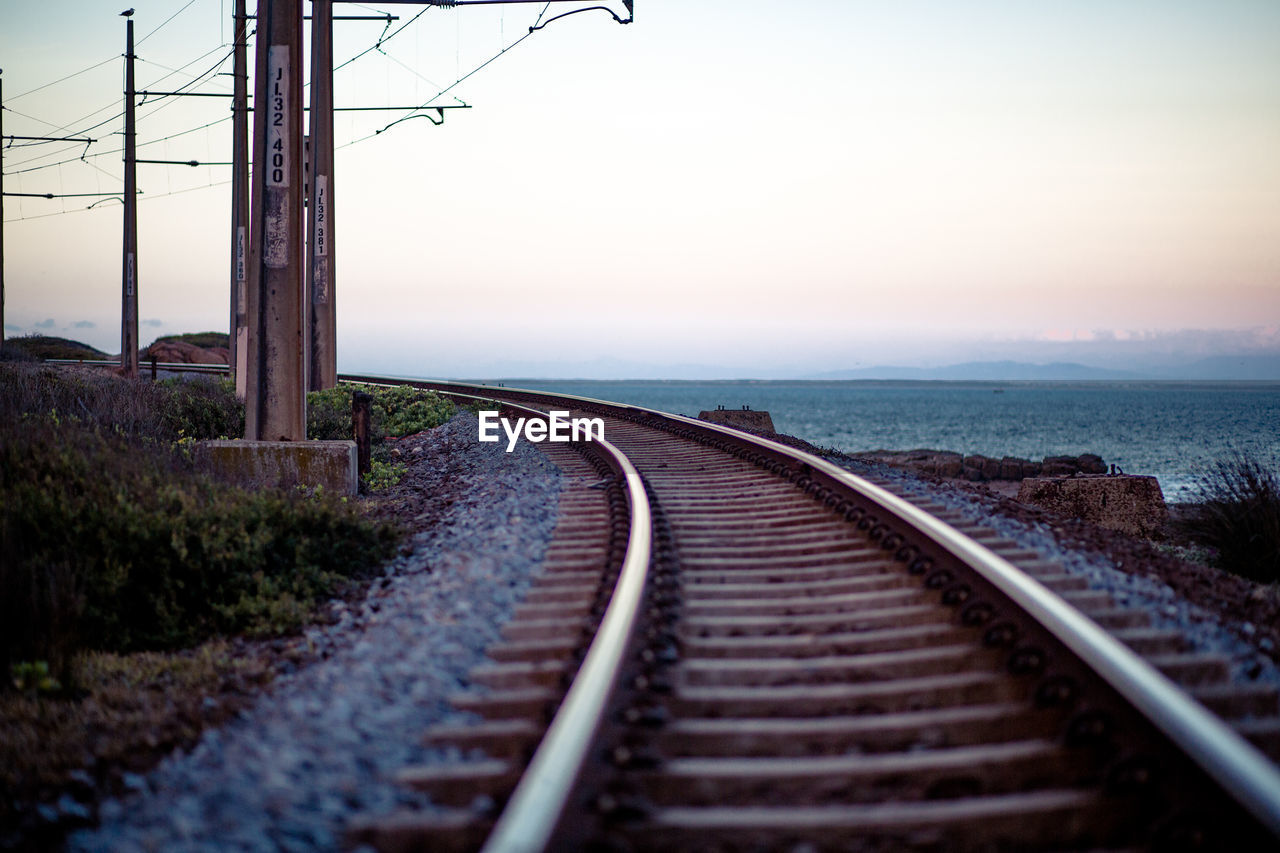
[
  {"x": 323, "y": 744},
  {"x": 1212, "y": 620}
]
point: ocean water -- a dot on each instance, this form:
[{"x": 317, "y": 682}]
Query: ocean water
[{"x": 1172, "y": 430}]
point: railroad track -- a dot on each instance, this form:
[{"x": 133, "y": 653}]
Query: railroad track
[
  {"x": 773, "y": 654},
  {"x": 737, "y": 646}
]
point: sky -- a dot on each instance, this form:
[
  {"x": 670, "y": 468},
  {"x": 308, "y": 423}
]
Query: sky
[{"x": 750, "y": 188}]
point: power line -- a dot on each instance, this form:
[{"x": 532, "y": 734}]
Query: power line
[
  {"x": 166, "y": 21},
  {"x": 181, "y": 70},
  {"x": 427, "y": 105},
  {"x": 196, "y": 80},
  {"x": 64, "y": 79}
]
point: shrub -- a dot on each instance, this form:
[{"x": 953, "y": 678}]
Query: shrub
[
  {"x": 201, "y": 407},
  {"x": 208, "y": 340},
  {"x": 48, "y": 346},
  {"x": 396, "y": 411},
  {"x": 1239, "y": 517},
  {"x": 108, "y": 544}
]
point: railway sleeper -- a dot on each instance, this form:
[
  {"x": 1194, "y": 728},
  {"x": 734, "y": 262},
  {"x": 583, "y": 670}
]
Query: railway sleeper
[
  {"x": 823, "y": 623},
  {"x": 1238, "y": 701},
  {"x": 809, "y": 517},
  {"x": 553, "y": 610},
  {"x": 1054, "y": 819},
  {"x": 879, "y": 667},
  {"x": 521, "y": 674},
  {"x": 578, "y": 595},
  {"x": 783, "y": 588},
  {"x": 461, "y": 784},
  {"x": 1152, "y": 641},
  {"x": 975, "y": 770},
  {"x": 872, "y": 566},
  {"x": 783, "y": 606},
  {"x": 507, "y": 739},
  {"x": 808, "y": 645},
  {"x": 906, "y": 694},
  {"x": 534, "y": 630},
  {"x": 798, "y": 561},
  {"x": 1262, "y": 733},
  {"x": 530, "y": 702},
  {"x": 533, "y": 650},
  {"x": 930, "y": 728},
  {"x": 409, "y": 831},
  {"x": 816, "y": 542}
]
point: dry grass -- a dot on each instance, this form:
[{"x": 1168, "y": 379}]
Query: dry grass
[
  {"x": 130, "y": 711},
  {"x": 1239, "y": 518}
]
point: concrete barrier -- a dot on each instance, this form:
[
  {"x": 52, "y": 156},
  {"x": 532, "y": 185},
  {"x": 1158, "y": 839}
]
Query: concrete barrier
[
  {"x": 1130, "y": 504},
  {"x": 265, "y": 464},
  {"x": 739, "y": 418}
]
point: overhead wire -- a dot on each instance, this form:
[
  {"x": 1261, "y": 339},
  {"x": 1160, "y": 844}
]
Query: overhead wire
[
  {"x": 63, "y": 79},
  {"x": 417, "y": 112},
  {"x": 208, "y": 73},
  {"x": 377, "y": 46},
  {"x": 190, "y": 3}
]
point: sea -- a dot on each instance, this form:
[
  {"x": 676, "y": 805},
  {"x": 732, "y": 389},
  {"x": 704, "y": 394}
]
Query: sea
[{"x": 1175, "y": 431}]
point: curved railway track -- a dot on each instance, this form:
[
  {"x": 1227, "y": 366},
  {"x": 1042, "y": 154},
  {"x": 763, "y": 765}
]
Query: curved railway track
[
  {"x": 734, "y": 645},
  {"x": 789, "y": 657}
]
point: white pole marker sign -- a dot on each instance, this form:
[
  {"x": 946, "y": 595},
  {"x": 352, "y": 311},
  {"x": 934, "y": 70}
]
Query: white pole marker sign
[{"x": 275, "y": 253}]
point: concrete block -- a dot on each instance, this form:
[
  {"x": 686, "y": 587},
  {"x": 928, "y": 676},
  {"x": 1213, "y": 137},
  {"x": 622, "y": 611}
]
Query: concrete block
[
  {"x": 328, "y": 464},
  {"x": 1130, "y": 504},
  {"x": 739, "y": 418}
]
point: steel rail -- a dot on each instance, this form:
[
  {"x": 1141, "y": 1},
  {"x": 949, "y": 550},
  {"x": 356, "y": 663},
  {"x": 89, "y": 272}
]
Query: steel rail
[
  {"x": 529, "y": 819},
  {"x": 171, "y": 366},
  {"x": 1243, "y": 772}
]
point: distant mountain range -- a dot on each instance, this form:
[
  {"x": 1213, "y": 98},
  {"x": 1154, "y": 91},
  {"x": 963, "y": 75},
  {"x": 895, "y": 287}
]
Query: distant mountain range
[
  {"x": 1218, "y": 368},
  {"x": 1247, "y": 368}
]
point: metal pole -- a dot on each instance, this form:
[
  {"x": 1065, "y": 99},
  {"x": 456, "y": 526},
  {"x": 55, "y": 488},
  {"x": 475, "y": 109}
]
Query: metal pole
[
  {"x": 238, "y": 339},
  {"x": 129, "y": 307},
  {"x": 275, "y": 406},
  {"x": 1, "y": 211},
  {"x": 321, "y": 308},
  {"x": 361, "y": 420}
]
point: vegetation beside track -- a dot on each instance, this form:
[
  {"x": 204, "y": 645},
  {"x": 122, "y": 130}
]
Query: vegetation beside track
[
  {"x": 37, "y": 347},
  {"x": 1238, "y": 518},
  {"x": 133, "y": 582}
]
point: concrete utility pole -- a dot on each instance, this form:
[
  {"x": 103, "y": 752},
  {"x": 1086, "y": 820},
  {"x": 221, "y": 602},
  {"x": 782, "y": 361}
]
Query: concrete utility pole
[
  {"x": 238, "y": 339},
  {"x": 275, "y": 406},
  {"x": 1, "y": 212},
  {"x": 129, "y": 306},
  {"x": 322, "y": 313}
]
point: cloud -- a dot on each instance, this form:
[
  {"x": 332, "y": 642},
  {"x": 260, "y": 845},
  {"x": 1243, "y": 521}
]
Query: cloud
[
  {"x": 46, "y": 324},
  {"x": 1182, "y": 341},
  {"x": 153, "y": 323},
  {"x": 9, "y": 327},
  {"x": 84, "y": 324}
]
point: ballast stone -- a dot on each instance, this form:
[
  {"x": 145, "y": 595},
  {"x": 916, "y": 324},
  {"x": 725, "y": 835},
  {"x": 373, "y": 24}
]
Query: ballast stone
[
  {"x": 330, "y": 465},
  {"x": 1128, "y": 503}
]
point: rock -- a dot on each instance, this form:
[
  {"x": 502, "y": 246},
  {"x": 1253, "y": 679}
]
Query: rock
[
  {"x": 1011, "y": 468},
  {"x": 1058, "y": 466},
  {"x": 1090, "y": 463},
  {"x": 948, "y": 464},
  {"x": 177, "y": 352}
]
